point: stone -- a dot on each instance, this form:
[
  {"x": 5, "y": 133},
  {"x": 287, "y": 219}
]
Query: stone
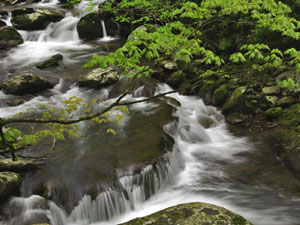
[
  {"x": 191, "y": 214},
  {"x": 176, "y": 79},
  {"x": 21, "y": 11},
  {"x": 235, "y": 98},
  {"x": 272, "y": 90},
  {"x": 271, "y": 99},
  {"x": 2, "y": 23},
  {"x": 206, "y": 91},
  {"x": 168, "y": 65},
  {"x": 9, "y": 37},
  {"x": 25, "y": 84},
  {"x": 236, "y": 118},
  {"x": 38, "y": 20},
  {"x": 286, "y": 101},
  {"x": 9, "y": 183},
  {"x": 52, "y": 62},
  {"x": 220, "y": 95},
  {"x": 99, "y": 78},
  {"x": 17, "y": 166},
  {"x": 133, "y": 35},
  {"x": 291, "y": 118},
  {"x": 112, "y": 27},
  {"x": 89, "y": 27},
  {"x": 13, "y": 2},
  {"x": 273, "y": 113}
]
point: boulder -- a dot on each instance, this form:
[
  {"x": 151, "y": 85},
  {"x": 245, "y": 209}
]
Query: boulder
[
  {"x": 52, "y": 62},
  {"x": 112, "y": 27},
  {"x": 134, "y": 34},
  {"x": 206, "y": 91},
  {"x": 99, "y": 78},
  {"x": 191, "y": 214},
  {"x": 9, "y": 37},
  {"x": 38, "y": 20},
  {"x": 235, "y": 98},
  {"x": 89, "y": 27},
  {"x": 236, "y": 118},
  {"x": 17, "y": 166},
  {"x": 25, "y": 84},
  {"x": 291, "y": 118},
  {"x": 272, "y": 90},
  {"x": 273, "y": 113},
  {"x": 21, "y": 11},
  {"x": 2, "y": 23},
  {"x": 9, "y": 183},
  {"x": 176, "y": 79},
  {"x": 286, "y": 101},
  {"x": 220, "y": 95}
]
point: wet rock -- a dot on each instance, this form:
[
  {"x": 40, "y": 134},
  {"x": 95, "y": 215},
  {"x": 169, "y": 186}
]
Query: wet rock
[
  {"x": 273, "y": 113},
  {"x": 286, "y": 101},
  {"x": 236, "y": 118},
  {"x": 52, "y": 62},
  {"x": 191, "y": 214},
  {"x": 235, "y": 98},
  {"x": 9, "y": 183},
  {"x": 273, "y": 90},
  {"x": 9, "y": 37},
  {"x": 17, "y": 166},
  {"x": 13, "y": 2},
  {"x": 220, "y": 95},
  {"x": 89, "y": 27},
  {"x": 2, "y": 23},
  {"x": 38, "y": 20},
  {"x": 176, "y": 79},
  {"x": 112, "y": 27},
  {"x": 206, "y": 91},
  {"x": 206, "y": 121},
  {"x": 21, "y": 11},
  {"x": 25, "y": 84},
  {"x": 99, "y": 78},
  {"x": 291, "y": 118}
]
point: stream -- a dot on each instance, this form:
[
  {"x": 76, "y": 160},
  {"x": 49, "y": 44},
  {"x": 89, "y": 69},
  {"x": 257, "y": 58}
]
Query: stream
[{"x": 206, "y": 163}]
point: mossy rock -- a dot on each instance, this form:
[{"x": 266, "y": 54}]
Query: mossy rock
[
  {"x": 52, "y": 62},
  {"x": 291, "y": 118},
  {"x": 17, "y": 166},
  {"x": 9, "y": 183},
  {"x": 273, "y": 113},
  {"x": 272, "y": 90},
  {"x": 286, "y": 101},
  {"x": 89, "y": 27},
  {"x": 235, "y": 99},
  {"x": 21, "y": 11},
  {"x": 206, "y": 91},
  {"x": 191, "y": 214},
  {"x": 220, "y": 95},
  {"x": 176, "y": 79},
  {"x": 9, "y": 37},
  {"x": 236, "y": 118},
  {"x": 2, "y": 23}
]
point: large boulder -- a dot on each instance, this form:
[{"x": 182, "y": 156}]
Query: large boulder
[
  {"x": 191, "y": 214},
  {"x": 176, "y": 78},
  {"x": 25, "y": 84},
  {"x": 38, "y": 20},
  {"x": 17, "y": 166},
  {"x": 9, "y": 37},
  {"x": 9, "y": 183},
  {"x": 89, "y": 27},
  {"x": 99, "y": 78}
]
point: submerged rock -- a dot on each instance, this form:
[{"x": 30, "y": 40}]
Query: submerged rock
[
  {"x": 52, "y": 62},
  {"x": 38, "y": 20},
  {"x": 100, "y": 78},
  {"x": 9, "y": 183},
  {"x": 191, "y": 214},
  {"x": 89, "y": 27},
  {"x": 17, "y": 166},
  {"x": 25, "y": 84},
  {"x": 9, "y": 37}
]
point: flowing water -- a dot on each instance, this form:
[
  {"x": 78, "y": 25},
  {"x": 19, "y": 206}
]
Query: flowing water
[{"x": 205, "y": 163}]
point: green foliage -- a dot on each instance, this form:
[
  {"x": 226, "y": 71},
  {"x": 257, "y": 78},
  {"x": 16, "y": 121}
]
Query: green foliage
[{"x": 289, "y": 83}]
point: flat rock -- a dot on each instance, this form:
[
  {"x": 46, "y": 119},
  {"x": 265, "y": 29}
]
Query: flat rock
[
  {"x": 271, "y": 90},
  {"x": 17, "y": 166},
  {"x": 191, "y": 214}
]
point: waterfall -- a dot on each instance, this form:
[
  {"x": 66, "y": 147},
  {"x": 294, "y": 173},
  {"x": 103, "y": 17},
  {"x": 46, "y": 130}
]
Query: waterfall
[{"x": 104, "y": 29}]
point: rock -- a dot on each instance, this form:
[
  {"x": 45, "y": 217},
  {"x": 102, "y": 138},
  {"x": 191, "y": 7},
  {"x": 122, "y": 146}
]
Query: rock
[
  {"x": 236, "y": 118},
  {"x": 273, "y": 113},
  {"x": 13, "y": 2},
  {"x": 271, "y": 99},
  {"x": 286, "y": 101},
  {"x": 291, "y": 118},
  {"x": 220, "y": 95},
  {"x": 112, "y": 27},
  {"x": 9, "y": 183},
  {"x": 17, "y": 166},
  {"x": 52, "y": 62},
  {"x": 206, "y": 121},
  {"x": 89, "y": 27},
  {"x": 191, "y": 214},
  {"x": 99, "y": 78},
  {"x": 206, "y": 91},
  {"x": 9, "y": 37},
  {"x": 234, "y": 99},
  {"x": 21, "y": 11},
  {"x": 134, "y": 34},
  {"x": 38, "y": 20},
  {"x": 176, "y": 79},
  {"x": 171, "y": 66},
  {"x": 273, "y": 90},
  {"x": 26, "y": 84},
  {"x": 2, "y": 23},
  {"x": 32, "y": 1}
]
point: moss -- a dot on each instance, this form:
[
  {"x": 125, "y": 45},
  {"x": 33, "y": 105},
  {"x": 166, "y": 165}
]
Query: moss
[
  {"x": 208, "y": 85},
  {"x": 273, "y": 113},
  {"x": 238, "y": 220},
  {"x": 235, "y": 98},
  {"x": 220, "y": 95},
  {"x": 291, "y": 118}
]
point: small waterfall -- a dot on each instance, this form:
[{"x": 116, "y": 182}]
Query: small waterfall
[{"x": 104, "y": 29}]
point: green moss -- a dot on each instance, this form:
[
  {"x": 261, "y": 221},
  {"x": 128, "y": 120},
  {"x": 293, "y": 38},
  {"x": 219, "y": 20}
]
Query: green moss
[
  {"x": 291, "y": 118},
  {"x": 273, "y": 113},
  {"x": 238, "y": 220},
  {"x": 220, "y": 95},
  {"x": 208, "y": 85},
  {"x": 235, "y": 98}
]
